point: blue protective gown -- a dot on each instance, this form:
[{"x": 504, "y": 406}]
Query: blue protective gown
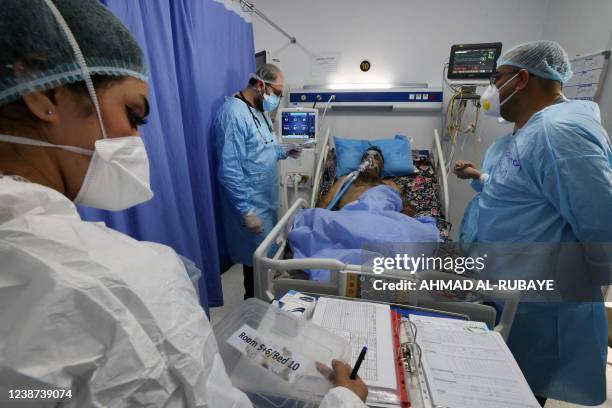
[
  {"x": 469, "y": 223},
  {"x": 553, "y": 183},
  {"x": 248, "y": 153}
]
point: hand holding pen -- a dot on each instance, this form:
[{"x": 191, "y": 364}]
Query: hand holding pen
[{"x": 340, "y": 376}]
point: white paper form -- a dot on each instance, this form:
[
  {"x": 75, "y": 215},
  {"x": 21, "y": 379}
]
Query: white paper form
[
  {"x": 593, "y": 62},
  {"x": 362, "y": 324},
  {"x": 591, "y": 77},
  {"x": 589, "y": 72},
  {"x": 587, "y": 92},
  {"x": 468, "y": 366},
  {"x": 324, "y": 63}
]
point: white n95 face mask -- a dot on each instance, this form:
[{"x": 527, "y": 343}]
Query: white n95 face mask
[
  {"x": 118, "y": 174},
  {"x": 489, "y": 100}
]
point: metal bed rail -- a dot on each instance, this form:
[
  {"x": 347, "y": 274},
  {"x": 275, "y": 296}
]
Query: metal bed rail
[
  {"x": 440, "y": 169},
  {"x": 265, "y": 267}
]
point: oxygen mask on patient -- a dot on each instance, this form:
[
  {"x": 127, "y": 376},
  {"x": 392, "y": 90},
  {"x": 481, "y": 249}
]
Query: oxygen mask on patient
[
  {"x": 366, "y": 163},
  {"x": 371, "y": 162}
]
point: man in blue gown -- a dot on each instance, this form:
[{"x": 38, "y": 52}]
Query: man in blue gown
[
  {"x": 550, "y": 181},
  {"x": 248, "y": 153}
]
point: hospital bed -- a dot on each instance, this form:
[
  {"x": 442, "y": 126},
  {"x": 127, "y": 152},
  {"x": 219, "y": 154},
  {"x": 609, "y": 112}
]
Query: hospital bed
[
  {"x": 429, "y": 164},
  {"x": 275, "y": 275}
]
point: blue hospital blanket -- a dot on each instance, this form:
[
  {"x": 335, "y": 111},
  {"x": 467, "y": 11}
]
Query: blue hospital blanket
[{"x": 348, "y": 235}]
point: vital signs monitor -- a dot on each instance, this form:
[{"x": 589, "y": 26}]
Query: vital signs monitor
[{"x": 297, "y": 125}]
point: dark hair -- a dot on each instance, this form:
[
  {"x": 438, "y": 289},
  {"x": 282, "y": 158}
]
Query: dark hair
[
  {"x": 17, "y": 112},
  {"x": 100, "y": 82}
]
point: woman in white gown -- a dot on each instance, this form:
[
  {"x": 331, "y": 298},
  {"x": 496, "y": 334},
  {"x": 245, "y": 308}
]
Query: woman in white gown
[{"x": 85, "y": 308}]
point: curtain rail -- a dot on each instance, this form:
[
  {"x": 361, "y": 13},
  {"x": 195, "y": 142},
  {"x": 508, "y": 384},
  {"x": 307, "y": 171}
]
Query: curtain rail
[{"x": 250, "y": 7}]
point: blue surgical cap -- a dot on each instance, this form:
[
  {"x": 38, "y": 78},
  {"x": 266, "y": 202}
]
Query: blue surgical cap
[
  {"x": 36, "y": 55},
  {"x": 544, "y": 59}
]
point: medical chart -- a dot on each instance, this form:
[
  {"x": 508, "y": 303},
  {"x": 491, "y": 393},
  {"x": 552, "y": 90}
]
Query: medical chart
[
  {"x": 589, "y": 73},
  {"x": 468, "y": 366},
  {"x": 362, "y": 324}
]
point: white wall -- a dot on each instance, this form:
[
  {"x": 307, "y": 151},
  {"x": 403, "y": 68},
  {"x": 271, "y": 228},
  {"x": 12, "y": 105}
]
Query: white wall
[
  {"x": 405, "y": 40},
  {"x": 409, "y": 40}
]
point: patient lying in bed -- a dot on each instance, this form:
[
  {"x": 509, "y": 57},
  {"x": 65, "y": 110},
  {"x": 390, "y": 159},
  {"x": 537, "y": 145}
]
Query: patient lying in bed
[
  {"x": 369, "y": 178},
  {"x": 370, "y": 222}
]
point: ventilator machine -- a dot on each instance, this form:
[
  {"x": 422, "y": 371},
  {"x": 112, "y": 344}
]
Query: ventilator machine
[{"x": 298, "y": 128}]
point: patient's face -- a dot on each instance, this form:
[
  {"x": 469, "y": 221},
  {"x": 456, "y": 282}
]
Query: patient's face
[{"x": 376, "y": 167}]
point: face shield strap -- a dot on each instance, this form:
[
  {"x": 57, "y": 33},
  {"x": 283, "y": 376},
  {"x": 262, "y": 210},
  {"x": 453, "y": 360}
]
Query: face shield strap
[
  {"x": 501, "y": 103},
  {"x": 80, "y": 60}
]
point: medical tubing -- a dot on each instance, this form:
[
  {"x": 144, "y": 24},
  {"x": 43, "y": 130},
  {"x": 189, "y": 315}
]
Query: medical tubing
[
  {"x": 296, "y": 182},
  {"x": 331, "y": 98},
  {"x": 347, "y": 183},
  {"x": 80, "y": 60}
]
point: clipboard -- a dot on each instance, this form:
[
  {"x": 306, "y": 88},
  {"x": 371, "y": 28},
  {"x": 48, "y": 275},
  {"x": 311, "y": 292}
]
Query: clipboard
[
  {"x": 413, "y": 388},
  {"x": 445, "y": 368},
  {"x": 410, "y": 377}
]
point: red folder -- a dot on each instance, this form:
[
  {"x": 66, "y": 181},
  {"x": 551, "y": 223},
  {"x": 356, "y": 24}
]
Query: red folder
[{"x": 396, "y": 320}]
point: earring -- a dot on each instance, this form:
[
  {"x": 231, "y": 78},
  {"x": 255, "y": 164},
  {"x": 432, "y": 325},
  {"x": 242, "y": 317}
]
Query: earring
[{"x": 49, "y": 112}]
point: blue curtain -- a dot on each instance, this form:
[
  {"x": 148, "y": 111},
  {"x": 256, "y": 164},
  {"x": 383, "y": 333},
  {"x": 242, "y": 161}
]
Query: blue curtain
[{"x": 198, "y": 52}]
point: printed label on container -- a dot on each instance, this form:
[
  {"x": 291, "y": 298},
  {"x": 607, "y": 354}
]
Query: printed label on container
[{"x": 278, "y": 359}]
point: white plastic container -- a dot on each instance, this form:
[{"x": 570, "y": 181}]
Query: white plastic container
[{"x": 271, "y": 355}]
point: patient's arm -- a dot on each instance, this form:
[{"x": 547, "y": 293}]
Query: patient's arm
[
  {"x": 408, "y": 209},
  {"x": 327, "y": 198}
]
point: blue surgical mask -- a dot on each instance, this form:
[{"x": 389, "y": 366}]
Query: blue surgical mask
[{"x": 270, "y": 102}]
